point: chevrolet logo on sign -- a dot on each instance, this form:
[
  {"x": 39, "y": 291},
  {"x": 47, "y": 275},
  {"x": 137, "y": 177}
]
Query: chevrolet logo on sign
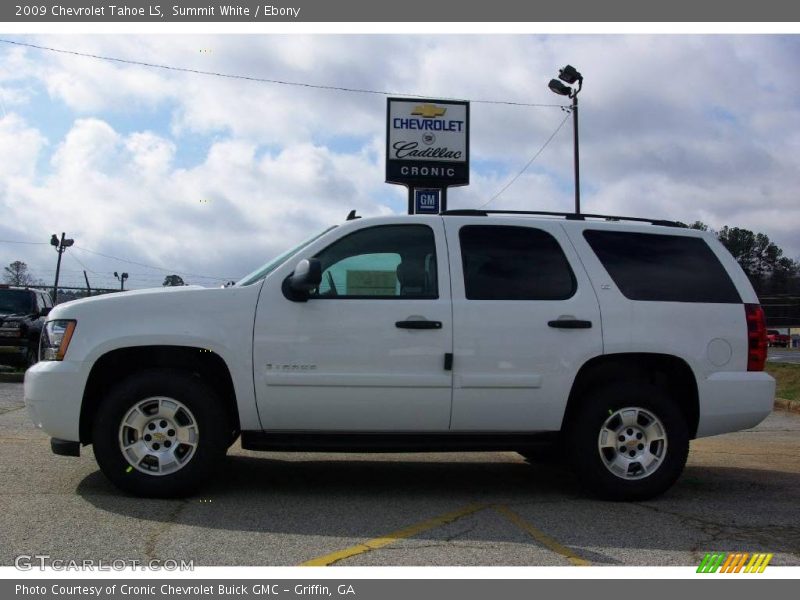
[{"x": 428, "y": 111}]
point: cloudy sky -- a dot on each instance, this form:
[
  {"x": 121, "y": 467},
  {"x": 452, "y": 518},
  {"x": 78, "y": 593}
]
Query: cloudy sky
[{"x": 209, "y": 177}]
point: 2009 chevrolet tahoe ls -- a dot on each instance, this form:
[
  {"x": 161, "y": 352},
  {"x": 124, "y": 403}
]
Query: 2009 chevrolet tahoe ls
[{"x": 616, "y": 343}]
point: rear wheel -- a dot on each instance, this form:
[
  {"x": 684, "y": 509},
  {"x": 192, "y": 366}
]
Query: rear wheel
[
  {"x": 628, "y": 441},
  {"x": 160, "y": 433}
]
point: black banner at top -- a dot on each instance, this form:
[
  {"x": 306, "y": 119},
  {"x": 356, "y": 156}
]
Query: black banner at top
[{"x": 452, "y": 11}]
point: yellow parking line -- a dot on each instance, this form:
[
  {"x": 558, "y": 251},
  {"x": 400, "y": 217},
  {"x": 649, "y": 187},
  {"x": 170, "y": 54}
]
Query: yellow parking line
[
  {"x": 374, "y": 544},
  {"x": 542, "y": 537}
]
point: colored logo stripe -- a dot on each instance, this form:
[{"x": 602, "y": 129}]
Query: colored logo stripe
[
  {"x": 758, "y": 563},
  {"x": 734, "y": 563},
  {"x": 711, "y": 562}
]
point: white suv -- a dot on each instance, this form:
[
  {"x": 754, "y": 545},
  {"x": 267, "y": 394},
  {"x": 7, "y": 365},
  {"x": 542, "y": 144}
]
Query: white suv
[{"x": 613, "y": 343}]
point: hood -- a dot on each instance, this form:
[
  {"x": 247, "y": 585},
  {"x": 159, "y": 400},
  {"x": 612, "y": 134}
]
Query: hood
[{"x": 121, "y": 301}]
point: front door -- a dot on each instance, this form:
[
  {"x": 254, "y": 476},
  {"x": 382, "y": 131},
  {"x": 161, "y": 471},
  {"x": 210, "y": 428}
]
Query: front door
[{"x": 367, "y": 351}]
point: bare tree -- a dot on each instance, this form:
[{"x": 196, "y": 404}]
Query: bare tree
[{"x": 17, "y": 274}]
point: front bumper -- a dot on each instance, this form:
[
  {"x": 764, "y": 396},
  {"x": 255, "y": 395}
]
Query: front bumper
[
  {"x": 734, "y": 401},
  {"x": 53, "y": 397},
  {"x": 12, "y": 353}
]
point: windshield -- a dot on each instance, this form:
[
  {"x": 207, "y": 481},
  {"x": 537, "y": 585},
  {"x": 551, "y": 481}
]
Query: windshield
[
  {"x": 16, "y": 301},
  {"x": 268, "y": 268}
]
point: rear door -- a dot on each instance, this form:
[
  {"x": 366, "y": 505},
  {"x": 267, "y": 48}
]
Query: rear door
[{"x": 525, "y": 319}]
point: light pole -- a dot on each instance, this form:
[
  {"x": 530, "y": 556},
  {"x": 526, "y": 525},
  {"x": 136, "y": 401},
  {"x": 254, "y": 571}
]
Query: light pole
[
  {"x": 570, "y": 75},
  {"x": 122, "y": 279},
  {"x": 60, "y": 246}
]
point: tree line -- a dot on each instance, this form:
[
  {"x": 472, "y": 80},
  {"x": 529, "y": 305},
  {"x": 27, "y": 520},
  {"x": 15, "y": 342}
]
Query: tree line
[
  {"x": 764, "y": 263},
  {"x": 18, "y": 274}
]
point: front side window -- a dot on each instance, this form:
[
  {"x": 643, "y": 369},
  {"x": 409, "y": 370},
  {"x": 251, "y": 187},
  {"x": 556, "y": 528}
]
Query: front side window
[
  {"x": 387, "y": 261},
  {"x": 514, "y": 263}
]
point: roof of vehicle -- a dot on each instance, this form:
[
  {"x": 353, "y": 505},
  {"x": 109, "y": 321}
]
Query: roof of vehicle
[{"x": 568, "y": 216}]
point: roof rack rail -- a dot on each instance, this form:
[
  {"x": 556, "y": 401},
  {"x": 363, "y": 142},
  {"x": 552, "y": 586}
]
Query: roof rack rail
[{"x": 473, "y": 212}]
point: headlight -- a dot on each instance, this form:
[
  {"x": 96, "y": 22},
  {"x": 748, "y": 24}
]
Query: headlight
[
  {"x": 12, "y": 325},
  {"x": 55, "y": 339}
]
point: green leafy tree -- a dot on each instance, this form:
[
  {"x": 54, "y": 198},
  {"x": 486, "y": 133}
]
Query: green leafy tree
[
  {"x": 699, "y": 225},
  {"x": 762, "y": 260}
]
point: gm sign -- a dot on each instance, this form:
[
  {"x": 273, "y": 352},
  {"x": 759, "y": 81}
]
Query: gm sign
[
  {"x": 426, "y": 202},
  {"x": 427, "y": 143}
]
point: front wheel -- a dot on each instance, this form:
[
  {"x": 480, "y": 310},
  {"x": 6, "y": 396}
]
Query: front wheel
[
  {"x": 628, "y": 441},
  {"x": 31, "y": 355},
  {"x": 160, "y": 433}
]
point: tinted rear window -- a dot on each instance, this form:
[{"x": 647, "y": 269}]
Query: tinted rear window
[
  {"x": 514, "y": 263},
  {"x": 665, "y": 268},
  {"x": 16, "y": 301}
]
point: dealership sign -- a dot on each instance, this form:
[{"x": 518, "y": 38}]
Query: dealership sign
[
  {"x": 427, "y": 142},
  {"x": 427, "y": 201}
]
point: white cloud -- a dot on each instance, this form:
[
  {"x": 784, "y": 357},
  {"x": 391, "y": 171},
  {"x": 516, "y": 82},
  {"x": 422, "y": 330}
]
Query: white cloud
[
  {"x": 20, "y": 145},
  {"x": 120, "y": 195},
  {"x": 682, "y": 127}
]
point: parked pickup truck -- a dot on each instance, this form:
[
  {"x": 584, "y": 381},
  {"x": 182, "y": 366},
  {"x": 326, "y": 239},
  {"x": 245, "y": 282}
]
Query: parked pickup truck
[
  {"x": 22, "y": 312},
  {"x": 777, "y": 339},
  {"x": 610, "y": 344}
]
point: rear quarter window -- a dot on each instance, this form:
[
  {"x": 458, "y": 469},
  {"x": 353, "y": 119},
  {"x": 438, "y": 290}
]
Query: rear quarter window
[{"x": 665, "y": 268}]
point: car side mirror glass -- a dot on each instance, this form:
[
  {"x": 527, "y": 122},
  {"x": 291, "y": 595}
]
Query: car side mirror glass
[{"x": 306, "y": 278}]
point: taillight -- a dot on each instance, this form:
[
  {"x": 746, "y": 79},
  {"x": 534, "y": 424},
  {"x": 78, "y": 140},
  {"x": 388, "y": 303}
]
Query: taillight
[{"x": 756, "y": 337}]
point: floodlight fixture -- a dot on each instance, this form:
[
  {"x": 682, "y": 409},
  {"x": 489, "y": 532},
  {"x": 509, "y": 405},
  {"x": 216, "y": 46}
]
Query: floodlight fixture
[
  {"x": 569, "y": 74},
  {"x": 559, "y": 88}
]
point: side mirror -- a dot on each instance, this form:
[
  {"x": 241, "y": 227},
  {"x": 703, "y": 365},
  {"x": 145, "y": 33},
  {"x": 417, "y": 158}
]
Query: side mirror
[
  {"x": 307, "y": 276},
  {"x": 45, "y": 311}
]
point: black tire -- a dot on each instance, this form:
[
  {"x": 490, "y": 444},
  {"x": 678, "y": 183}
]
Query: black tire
[
  {"x": 32, "y": 355},
  {"x": 583, "y": 432},
  {"x": 213, "y": 433}
]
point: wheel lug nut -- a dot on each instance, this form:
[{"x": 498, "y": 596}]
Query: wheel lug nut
[
  {"x": 622, "y": 438},
  {"x": 167, "y": 444},
  {"x": 156, "y": 446},
  {"x": 152, "y": 426},
  {"x": 638, "y": 436},
  {"x": 171, "y": 432},
  {"x": 630, "y": 431},
  {"x": 163, "y": 423},
  {"x": 640, "y": 446},
  {"x": 147, "y": 437},
  {"x": 632, "y": 453}
]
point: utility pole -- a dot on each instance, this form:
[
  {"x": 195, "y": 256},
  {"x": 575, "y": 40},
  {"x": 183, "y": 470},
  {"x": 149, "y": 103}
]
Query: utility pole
[
  {"x": 570, "y": 75},
  {"x": 60, "y": 247},
  {"x": 575, "y": 146},
  {"x": 88, "y": 287},
  {"x": 122, "y": 279}
]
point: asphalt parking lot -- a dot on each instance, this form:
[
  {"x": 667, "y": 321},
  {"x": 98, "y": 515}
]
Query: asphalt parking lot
[{"x": 740, "y": 492}]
